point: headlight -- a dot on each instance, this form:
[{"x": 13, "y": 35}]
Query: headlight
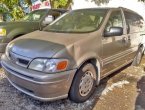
[
  {"x": 7, "y": 50},
  {"x": 3, "y": 32},
  {"x": 49, "y": 65}
]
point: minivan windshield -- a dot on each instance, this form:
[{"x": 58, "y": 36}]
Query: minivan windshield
[
  {"x": 78, "y": 21},
  {"x": 35, "y": 15}
]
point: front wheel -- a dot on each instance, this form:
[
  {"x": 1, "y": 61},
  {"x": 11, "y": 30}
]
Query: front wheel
[{"x": 83, "y": 84}]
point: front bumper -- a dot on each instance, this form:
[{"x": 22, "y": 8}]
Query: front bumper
[{"x": 41, "y": 86}]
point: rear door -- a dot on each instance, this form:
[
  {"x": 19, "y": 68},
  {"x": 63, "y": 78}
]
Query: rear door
[{"x": 134, "y": 27}]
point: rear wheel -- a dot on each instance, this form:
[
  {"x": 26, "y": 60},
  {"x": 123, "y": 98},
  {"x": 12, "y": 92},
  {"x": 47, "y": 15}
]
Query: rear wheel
[
  {"x": 83, "y": 84},
  {"x": 138, "y": 57}
]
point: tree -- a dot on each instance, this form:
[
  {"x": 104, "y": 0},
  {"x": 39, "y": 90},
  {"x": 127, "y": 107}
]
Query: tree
[
  {"x": 141, "y": 0},
  {"x": 60, "y": 3},
  {"x": 28, "y": 1},
  {"x": 3, "y": 8},
  {"x": 99, "y": 2},
  {"x": 17, "y": 12},
  {"x": 66, "y": 3},
  {"x": 56, "y": 3},
  {"x": 13, "y": 7}
]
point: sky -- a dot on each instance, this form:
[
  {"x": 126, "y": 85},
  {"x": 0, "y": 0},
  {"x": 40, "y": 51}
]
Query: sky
[{"x": 134, "y": 5}]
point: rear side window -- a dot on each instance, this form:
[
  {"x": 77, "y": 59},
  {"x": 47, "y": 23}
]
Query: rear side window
[{"x": 134, "y": 22}]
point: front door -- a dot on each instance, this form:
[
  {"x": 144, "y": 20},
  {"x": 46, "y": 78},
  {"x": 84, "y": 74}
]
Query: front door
[{"x": 114, "y": 46}]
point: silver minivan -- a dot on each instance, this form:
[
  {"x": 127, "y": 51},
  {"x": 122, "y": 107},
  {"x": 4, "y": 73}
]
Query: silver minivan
[{"x": 71, "y": 55}]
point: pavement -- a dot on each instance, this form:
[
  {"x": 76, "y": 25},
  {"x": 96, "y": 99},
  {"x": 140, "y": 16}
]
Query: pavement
[{"x": 123, "y": 90}]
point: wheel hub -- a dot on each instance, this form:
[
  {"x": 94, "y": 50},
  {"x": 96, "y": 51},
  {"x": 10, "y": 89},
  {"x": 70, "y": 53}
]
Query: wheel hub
[{"x": 86, "y": 83}]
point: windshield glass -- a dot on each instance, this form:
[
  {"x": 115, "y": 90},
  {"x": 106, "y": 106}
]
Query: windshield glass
[
  {"x": 78, "y": 21},
  {"x": 35, "y": 15}
]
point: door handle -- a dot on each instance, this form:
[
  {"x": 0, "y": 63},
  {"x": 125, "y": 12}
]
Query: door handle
[
  {"x": 129, "y": 38},
  {"x": 142, "y": 34}
]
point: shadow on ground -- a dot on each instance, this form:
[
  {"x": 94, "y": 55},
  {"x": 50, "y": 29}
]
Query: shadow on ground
[{"x": 140, "y": 101}]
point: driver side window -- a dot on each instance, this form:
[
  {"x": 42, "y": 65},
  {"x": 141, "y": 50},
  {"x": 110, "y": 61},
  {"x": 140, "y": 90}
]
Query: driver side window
[{"x": 115, "y": 20}]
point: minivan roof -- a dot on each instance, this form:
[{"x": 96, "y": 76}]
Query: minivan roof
[
  {"x": 108, "y": 8},
  {"x": 126, "y": 9}
]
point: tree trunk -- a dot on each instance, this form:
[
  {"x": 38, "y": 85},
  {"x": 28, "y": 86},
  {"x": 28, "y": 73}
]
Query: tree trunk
[
  {"x": 68, "y": 5},
  {"x": 52, "y": 3}
]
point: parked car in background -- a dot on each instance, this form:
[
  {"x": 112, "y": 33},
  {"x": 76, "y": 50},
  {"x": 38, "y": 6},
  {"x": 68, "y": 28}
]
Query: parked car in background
[
  {"x": 70, "y": 56},
  {"x": 36, "y": 20}
]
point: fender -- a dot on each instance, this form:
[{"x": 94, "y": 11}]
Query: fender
[
  {"x": 87, "y": 57},
  {"x": 16, "y": 32}
]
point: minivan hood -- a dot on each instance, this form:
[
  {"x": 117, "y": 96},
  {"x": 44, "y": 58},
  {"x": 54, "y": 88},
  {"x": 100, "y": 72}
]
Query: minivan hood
[{"x": 43, "y": 44}]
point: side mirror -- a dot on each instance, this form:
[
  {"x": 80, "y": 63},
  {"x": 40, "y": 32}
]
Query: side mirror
[
  {"x": 48, "y": 20},
  {"x": 114, "y": 31}
]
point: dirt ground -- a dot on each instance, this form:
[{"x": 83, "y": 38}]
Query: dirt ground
[{"x": 123, "y": 90}]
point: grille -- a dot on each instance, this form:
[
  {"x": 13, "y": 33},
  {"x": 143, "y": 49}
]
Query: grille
[
  {"x": 19, "y": 60},
  {"x": 22, "y": 61}
]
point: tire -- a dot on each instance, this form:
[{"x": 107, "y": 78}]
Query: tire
[
  {"x": 138, "y": 57},
  {"x": 83, "y": 84}
]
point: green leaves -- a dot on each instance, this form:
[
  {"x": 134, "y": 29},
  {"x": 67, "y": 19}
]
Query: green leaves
[
  {"x": 17, "y": 12},
  {"x": 99, "y": 2},
  {"x": 60, "y": 3},
  {"x": 3, "y": 8},
  {"x": 12, "y": 6}
]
